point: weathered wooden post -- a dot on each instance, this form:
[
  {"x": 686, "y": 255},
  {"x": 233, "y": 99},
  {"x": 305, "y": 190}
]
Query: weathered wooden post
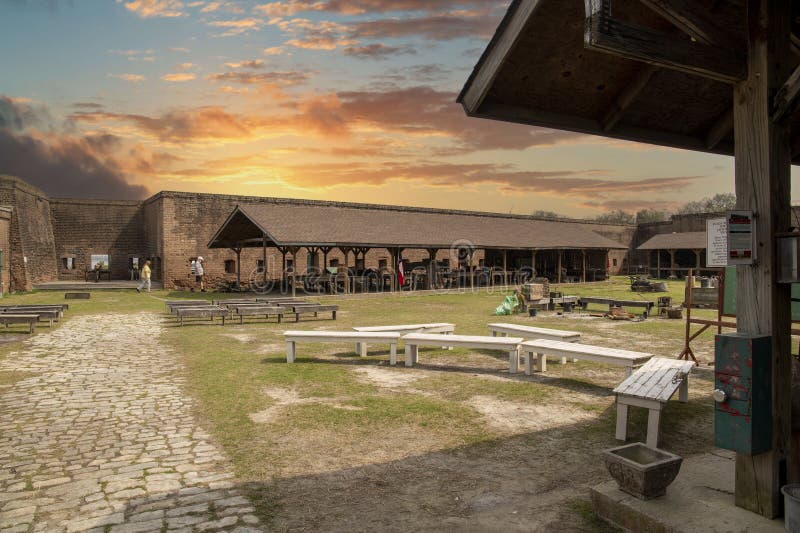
[
  {"x": 671, "y": 263},
  {"x": 763, "y": 159},
  {"x": 583, "y": 260},
  {"x": 559, "y": 265},
  {"x": 505, "y": 267}
]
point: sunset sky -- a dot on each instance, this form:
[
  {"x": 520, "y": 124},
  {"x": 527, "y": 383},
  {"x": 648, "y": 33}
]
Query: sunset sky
[{"x": 327, "y": 99}]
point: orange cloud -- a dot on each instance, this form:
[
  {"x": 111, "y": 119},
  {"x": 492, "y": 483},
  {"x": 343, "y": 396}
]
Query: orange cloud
[
  {"x": 178, "y": 77},
  {"x": 155, "y": 8},
  {"x": 254, "y": 64}
]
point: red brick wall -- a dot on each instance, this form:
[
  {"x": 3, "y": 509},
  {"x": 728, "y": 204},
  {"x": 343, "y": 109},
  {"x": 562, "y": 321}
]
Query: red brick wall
[
  {"x": 86, "y": 227},
  {"x": 32, "y": 257}
]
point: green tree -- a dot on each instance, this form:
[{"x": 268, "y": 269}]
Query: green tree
[
  {"x": 712, "y": 204},
  {"x": 651, "y": 215},
  {"x": 617, "y": 216}
]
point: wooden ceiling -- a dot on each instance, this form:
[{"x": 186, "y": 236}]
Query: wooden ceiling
[{"x": 556, "y": 64}]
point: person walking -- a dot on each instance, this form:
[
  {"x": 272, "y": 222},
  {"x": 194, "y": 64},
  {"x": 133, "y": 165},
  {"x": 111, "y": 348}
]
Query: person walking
[
  {"x": 199, "y": 273},
  {"x": 145, "y": 277}
]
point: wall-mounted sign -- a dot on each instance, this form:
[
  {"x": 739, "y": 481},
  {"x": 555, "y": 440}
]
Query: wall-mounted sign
[
  {"x": 717, "y": 242},
  {"x": 741, "y": 238}
]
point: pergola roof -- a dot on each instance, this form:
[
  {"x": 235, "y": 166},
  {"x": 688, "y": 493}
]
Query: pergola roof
[
  {"x": 351, "y": 225},
  {"x": 547, "y": 66},
  {"x": 690, "y": 240}
]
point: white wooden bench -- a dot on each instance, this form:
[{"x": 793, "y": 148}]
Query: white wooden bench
[
  {"x": 651, "y": 387},
  {"x": 8, "y": 318},
  {"x": 539, "y": 349},
  {"x": 509, "y": 345},
  {"x": 439, "y": 327},
  {"x": 171, "y": 305},
  {"x": 210, "y": 312},
  {"x": 293, "y": 337},
  {"x": 49, "y": 314},
  {"x": 531, "y": 332}
]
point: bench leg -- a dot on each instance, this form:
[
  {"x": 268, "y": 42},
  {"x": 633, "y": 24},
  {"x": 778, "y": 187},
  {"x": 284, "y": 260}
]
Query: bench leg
[
  {"x": 290, "y": 351},
  {"x": 563, "y": 360},
  {"x": 513, "y": 361},
  {"x": 528, "y": 356},
  {"x": 653, "y": 423},
  {"x": 683, "y": 390},
  {"x": 622, "y": 421},
  {"x": 494, "y": 334},
  {"x": 393, "y": 354},
  {"x": 361, "y": 349},
  {"x": 411, "y": 354},
  {"x": 334, "y": 314},
  {"x": 541, "y": 362}
]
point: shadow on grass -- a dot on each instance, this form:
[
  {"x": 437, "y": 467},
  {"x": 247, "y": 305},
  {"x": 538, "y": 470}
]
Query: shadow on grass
[{"x": 524, "y": 482}]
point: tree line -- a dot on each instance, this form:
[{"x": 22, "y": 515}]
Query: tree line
[{"x": 712, "y": 204}]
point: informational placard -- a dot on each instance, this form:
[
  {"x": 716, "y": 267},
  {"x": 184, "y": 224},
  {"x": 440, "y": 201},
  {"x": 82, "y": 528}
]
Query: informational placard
[
  {"x": 717, "y": 242},
  {"x": 741, "y": 238}
]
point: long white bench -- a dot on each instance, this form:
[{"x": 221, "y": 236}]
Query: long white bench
[
  {"x": 509, "y": 345},
  {"x": 439, "y": 327},
  {"x": 538, "y": 349},
  {"x": 651, "y": 387},
  {"x": 531, "y": 332},
  {"x": 293, "y": 337}
]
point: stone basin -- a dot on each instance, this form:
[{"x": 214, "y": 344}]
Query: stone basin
[{"x": 642, "y": 471}]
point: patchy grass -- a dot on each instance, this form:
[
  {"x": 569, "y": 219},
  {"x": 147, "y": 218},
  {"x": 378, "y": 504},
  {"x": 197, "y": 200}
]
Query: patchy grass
[{"x": 339, "y": 442}]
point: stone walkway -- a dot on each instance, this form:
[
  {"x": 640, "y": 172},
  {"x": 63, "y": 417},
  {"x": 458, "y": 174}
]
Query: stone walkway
[{"x": 101, "y": 437}]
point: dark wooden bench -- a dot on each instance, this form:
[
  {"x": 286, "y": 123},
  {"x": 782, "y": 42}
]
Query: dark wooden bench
[
  {"x": 77, "y": 295},
  {"x": 50, "y": 314},
  {"x": 257, "y": 310},
  {"x": 611, "y": 302},
  {"x": 210, "y": 312},
  {"x": 306, "y": 309},
  {"x": 7, "y": 318},
  {"x": 171, "y": 305}
]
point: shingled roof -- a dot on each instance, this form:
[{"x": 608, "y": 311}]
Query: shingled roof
[
  {"x": 690, "y": 240},
  {"x": 380, "y": 227}
]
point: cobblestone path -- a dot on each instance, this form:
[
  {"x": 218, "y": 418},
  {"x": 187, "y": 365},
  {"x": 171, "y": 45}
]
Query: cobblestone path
[{"x": 101, "y": 437}]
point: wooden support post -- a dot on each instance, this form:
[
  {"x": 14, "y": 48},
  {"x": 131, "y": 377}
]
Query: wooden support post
[
  {"x": 470, "y": 270},
  {"x": 505, "y": 267},
  {"x": 238, "y": 251},
  {"x": 697, "y": 260},
  {"x": 533, "y": 264},
  {"x": 658, "y": 264},
  {"x": 264, "y": 257},
  {"x": 431, "y": 268},
  {"x": 671, "y": 263},
  {"x": 559, "y": 266},
  {"x": 762, "y": 151},
  {"x": 583, "y": 271}
]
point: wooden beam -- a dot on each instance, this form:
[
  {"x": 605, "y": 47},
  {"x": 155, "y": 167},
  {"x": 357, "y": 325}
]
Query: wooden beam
[
  {"x": 627, "y": 97},
  {"x": 692, "y": 18},
  {"x": 786, "y": 100},
  {"x": 603, "y": 33},
  {"x": 762, "y": 169},
  {"x": 721, "y": 128}
]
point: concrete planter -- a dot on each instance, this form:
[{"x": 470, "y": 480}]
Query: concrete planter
[{"x": 641, "y": 471}]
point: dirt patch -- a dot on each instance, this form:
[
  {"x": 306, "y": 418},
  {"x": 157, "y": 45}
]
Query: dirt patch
[
  {"x": 512, "y": 417},
  {"x": 285, "y": 398},
  {"x": 385, "y": 377}
]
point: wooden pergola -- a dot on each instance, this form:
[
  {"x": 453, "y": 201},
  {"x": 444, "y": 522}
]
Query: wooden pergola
[{"x": 718, "y": 76}]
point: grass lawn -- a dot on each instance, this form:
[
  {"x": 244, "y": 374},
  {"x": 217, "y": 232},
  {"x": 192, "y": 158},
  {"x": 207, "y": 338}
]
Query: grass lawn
[{"x": 338, "y": 442}]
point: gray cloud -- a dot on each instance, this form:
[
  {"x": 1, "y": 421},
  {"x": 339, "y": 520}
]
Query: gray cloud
[{"x": 61, "y": 165}]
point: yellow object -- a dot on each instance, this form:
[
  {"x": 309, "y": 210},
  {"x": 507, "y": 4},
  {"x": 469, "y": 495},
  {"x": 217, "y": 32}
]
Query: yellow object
[{"x": 146, "y": 272}]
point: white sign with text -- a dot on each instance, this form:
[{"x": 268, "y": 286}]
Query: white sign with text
[{"x": 717, "y": 242}]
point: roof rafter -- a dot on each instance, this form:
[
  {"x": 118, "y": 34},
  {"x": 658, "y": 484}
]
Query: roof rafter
[
  {"x": 786, "y": 99},
  {"x": 627, "y": 97}
]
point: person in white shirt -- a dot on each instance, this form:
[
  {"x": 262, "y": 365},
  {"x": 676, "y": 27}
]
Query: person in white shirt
[{"x": 199, "y": 273}]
